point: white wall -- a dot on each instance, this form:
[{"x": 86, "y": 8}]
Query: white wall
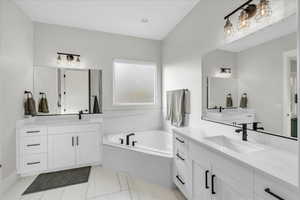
[
  {"x": 260, "y": 75},
  {"x": 98, "y": 50},
  {"x": 16, "y": 73}
]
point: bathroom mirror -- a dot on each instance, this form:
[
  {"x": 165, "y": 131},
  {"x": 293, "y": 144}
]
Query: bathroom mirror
[
  {"x": 59, "y": 91},
  {"x": 257, "y": 86}
]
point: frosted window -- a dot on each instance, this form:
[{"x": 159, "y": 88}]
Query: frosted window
[{"x": 134, "y": 82}]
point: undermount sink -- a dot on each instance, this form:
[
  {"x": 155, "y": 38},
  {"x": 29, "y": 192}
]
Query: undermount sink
[{"x": 234, "y": 145}]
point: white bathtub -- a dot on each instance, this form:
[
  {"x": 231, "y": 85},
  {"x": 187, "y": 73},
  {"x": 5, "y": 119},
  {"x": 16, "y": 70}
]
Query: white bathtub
[
  {"x": 150, "y": 158},
  {"x": 151, "y": 142}
]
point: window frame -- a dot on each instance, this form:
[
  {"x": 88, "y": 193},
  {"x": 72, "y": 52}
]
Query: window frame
[{"x": 115, "y": 103}]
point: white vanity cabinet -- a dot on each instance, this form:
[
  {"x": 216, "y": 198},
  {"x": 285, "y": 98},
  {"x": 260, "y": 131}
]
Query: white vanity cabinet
[
  {"x": 57, "y": 147},
  {"x": 182, "y": 164},
  {"x": 211, "y": 175},
  {"x": 217, "y": 178},
  {"x": 73, "y": 145}
]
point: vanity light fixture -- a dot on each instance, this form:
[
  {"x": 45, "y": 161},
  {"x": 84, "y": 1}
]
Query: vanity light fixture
[
  {"x": 225, "y": 70},
  {"x": 264, "y": 9},
  {"x": 70, "y": 59},
  {"x": 248, "y": 11}
]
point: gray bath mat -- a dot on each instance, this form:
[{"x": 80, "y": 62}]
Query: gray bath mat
[{"x": 58, "y": 179}]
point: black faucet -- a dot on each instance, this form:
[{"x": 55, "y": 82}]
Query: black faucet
[
  {"x": 80, "y": 114},
  {"x": 221, "y": 108},
  {"x": 244, "y": 131},
  {"x": 128, "y": 137},
  {"x": 255, "y": 126}
]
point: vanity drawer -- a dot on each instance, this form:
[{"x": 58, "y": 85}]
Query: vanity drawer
[
  {"x": 73, "y": 129},
  {"x": 267, "y": 188},
  {"x": 180, "y": 145},
  {"x": 34, "y": 163},
  {"x": 180, "y": 179},
  {"x": 34, "y": 144},
  {"x": 33, "y": 131}
]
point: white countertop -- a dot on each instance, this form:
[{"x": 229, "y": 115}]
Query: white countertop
[
  {"x": 280, "y": 164},
  {"x": 60, "y": 120}
]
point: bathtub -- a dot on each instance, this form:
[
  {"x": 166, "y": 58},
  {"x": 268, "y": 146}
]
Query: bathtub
[{"x": 150, "y": 159}]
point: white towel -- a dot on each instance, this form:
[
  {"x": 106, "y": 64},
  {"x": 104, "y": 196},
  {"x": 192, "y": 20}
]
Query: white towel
[{"x": 178, "y": 106}]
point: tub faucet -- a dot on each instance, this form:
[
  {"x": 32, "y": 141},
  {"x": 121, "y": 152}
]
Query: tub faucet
[
  {"x": 128, "y": 138},
  {"x": 80, "y": 113},
  {"x": 244, "y": 131}
]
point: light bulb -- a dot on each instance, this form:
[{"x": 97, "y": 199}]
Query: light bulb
[
  {"x": 243, "y": 20},
  {"x": 264, "y": 10},
  {"x": 228, "y": 28}
]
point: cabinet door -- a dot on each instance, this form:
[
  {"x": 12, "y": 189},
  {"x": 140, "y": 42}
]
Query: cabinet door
[
  {"x": 61, "y": 151},
  {"x": 201, "y": 182},
  {"x": 88, "y": 148},
  {"x": 222, "y": 190}
]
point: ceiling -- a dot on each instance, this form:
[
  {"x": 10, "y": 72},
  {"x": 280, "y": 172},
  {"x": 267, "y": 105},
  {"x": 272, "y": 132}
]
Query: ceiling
[{"x": 126, "y": 17}]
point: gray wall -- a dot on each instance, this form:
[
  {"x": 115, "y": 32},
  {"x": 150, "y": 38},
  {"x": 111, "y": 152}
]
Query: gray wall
[
  {"x": 16, "y": 61},
  {"x": 97, "y": 50},
  {"x": 211, "y": 64},
  {"x": 199, "y": 32}
]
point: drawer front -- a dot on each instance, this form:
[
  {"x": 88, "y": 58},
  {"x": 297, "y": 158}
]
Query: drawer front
[
  {"x": 180, "y": 146},
  {"x": 33, "y": 131},
  {"x": 267, "y": 188},
  {"x": 33, "y": 145},
  {"x": 180, "y": 179},
  {"x": 34, "y": 163},
  {"x": 73, "y": 129}
]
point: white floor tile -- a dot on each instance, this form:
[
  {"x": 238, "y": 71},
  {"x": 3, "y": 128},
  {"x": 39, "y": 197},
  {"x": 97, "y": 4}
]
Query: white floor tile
[
  {"x": 75, "y": 192},
  {"x": 55, "y": 194},
  {"x": 102, "y": 182},
  {"x": 33, "y": 196},
  {"x": 124, "y": 195}
]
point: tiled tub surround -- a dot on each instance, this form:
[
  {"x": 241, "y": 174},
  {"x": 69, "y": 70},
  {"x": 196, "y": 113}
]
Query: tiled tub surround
[
  {"x": 55, "y": 143},
  {"x": 235, "y": 175},
  {"x": 150, "y": 159}
]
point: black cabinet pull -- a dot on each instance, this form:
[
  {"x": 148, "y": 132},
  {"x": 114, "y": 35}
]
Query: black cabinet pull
[
  {"x": 268, "y": 190},
  {"x": 33, "y": 163},
  {"x": 178, "y": 156},
  {"x": 72, "y": 141},
  {"x": 32, "y": 131},
  {"x": 206, "y": 181},
  {"x": 179, "y": 140},
  {"x": 213, "y": 184},
  {"x": 77, "y": 141},
  {"x": 179, "y": 179},
  {"x": 33, "y": 145}
]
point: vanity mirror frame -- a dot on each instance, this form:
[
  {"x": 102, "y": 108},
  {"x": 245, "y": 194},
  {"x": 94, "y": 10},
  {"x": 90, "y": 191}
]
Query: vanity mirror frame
[
  {"x": 286, "y": 55},
  {"x": 89, "y": 70}
]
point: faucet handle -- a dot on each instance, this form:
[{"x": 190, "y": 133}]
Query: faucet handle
[{"x": 134, "y": 142}]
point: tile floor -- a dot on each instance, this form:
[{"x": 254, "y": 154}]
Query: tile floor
[{"x": 103, "y": 184}]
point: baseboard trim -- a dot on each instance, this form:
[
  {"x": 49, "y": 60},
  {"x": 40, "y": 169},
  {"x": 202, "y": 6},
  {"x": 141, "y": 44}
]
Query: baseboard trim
[{"x": 8, "y": 182}]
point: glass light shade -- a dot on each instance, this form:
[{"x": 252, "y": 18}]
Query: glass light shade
[
  {"x": 243, "y": 20},
  {"x": 228, "y": 28},
  {"x": 59, "y": 60},
  {"x": 264, "y": 10},
  {"x": 78, "y": 59}
]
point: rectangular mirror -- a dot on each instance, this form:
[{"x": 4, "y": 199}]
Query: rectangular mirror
[
  {"x": 257, "y": 86},
  {"x": 67, "y": 91}
]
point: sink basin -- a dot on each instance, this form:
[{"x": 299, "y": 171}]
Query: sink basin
[{"x": 234, "y": 145}]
